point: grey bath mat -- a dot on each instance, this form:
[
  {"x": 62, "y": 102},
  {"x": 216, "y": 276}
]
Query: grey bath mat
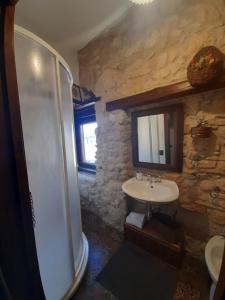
[{"x": 133, "y": 274}]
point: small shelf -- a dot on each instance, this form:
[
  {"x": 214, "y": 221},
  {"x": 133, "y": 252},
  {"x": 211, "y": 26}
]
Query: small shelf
[
  {"x": 162, "y": 94},
  {"x": 161, "y": 240}
]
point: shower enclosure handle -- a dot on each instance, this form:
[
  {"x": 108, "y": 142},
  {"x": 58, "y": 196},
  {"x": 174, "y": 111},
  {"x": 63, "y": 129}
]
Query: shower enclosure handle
[{"x": 32, "y": 209}]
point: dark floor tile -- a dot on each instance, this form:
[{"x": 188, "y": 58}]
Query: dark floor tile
[{"x": 104, "y": 241}]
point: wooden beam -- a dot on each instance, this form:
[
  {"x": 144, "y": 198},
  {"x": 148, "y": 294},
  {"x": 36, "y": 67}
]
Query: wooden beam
[
  {"x": 163, "y": 94},
  {"x": 8, "y": 2}
]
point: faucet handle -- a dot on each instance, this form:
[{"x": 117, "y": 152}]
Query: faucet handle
[
  {"x": 139, "y": 175},
  {"x": 149, "y": 177},
  {"x": 223, "y": 233}
]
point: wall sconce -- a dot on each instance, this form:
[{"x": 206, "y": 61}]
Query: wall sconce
[
  {"x": 195, "y": 159},
  {"x": 202, "y": 130}
]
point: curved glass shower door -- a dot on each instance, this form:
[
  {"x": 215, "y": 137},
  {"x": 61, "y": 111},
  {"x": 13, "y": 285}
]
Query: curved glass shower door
[
  {"x": 42, "y": 132},
  {"x": 70, "y": 162}
]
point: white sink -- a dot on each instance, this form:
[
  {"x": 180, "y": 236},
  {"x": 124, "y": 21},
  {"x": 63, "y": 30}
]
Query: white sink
[{"x": 158, "y": 192}]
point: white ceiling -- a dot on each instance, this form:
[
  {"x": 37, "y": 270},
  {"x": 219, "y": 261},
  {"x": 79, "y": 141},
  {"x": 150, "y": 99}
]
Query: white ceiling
[{"x": 68, "y": 25}]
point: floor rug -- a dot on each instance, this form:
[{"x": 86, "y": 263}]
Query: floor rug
[{"x": 134, "y": 274}]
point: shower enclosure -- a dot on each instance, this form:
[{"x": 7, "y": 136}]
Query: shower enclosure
[{"x": 44, "y": 83}]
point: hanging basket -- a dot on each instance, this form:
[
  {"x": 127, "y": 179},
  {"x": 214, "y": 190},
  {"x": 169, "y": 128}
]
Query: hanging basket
[{"x": 206, "y": 66}]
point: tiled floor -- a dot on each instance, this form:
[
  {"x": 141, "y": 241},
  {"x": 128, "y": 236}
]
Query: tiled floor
[{"x": 193, "y": 281}]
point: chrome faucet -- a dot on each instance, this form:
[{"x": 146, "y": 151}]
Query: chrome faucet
[
  {"x": 158, "y": 178},
  {"x": 153, "y": 178}
]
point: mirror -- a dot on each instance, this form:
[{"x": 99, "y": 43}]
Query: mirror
[{"x": 157, "y": 138}]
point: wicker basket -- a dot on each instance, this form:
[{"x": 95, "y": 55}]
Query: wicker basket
[
  {"x": 202, "y": 130},
  {"x": 206, "y": 66}
]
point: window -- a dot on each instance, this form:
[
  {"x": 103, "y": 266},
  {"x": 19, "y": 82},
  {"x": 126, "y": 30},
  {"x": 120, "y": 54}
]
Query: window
[{"x": 85, "y": 126}]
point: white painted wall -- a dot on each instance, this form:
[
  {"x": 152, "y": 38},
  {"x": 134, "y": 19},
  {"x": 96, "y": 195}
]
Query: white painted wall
[{"x": 69, "y": 25}]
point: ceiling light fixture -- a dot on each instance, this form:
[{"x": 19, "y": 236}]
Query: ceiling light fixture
[{"x": 141, "y": 1}]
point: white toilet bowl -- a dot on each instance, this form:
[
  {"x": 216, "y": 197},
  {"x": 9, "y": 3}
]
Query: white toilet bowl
[{"x": 213, "y": 257}]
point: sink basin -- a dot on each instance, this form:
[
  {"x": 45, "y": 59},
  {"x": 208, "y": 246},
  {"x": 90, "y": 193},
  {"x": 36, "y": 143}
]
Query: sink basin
[{"x": 159, "y": 192}]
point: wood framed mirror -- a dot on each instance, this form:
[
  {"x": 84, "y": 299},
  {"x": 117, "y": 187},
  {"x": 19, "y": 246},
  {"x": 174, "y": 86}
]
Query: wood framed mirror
[{"x": 157, "y": 138}]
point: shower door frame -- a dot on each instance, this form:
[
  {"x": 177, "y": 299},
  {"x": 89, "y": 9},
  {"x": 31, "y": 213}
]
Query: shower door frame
[
  {"x": 26, "y": 275},
  {"x": 18, "y": 260}
]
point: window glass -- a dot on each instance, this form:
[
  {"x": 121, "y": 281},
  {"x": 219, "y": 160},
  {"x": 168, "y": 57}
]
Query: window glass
[
  {"x": 88, "y": 140},
  {"x": 85, "y": 126}
]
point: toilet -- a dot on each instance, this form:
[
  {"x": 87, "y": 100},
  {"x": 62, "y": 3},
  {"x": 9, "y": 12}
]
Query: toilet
[{"x": 213, "y": 257}]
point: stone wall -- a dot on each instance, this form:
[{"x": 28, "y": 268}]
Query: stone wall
[{"x": 151, "y": 47}]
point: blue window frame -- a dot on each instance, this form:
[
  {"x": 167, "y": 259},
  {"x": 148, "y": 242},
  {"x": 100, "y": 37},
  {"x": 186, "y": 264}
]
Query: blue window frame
[{"x": 85, "y": 125}]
